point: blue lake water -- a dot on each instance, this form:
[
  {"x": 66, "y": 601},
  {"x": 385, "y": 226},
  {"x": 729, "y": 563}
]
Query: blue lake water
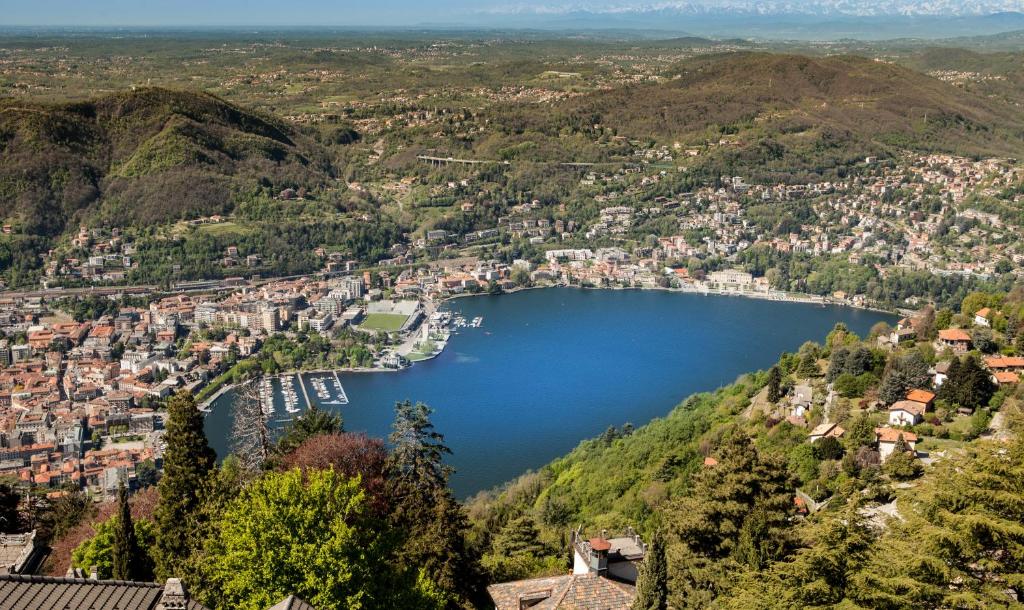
[{"x": 549, "y": 368}]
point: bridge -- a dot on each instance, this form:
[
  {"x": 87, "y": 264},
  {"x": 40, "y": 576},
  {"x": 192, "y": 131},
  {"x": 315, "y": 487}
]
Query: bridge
[{"x": 439, "y": 161}]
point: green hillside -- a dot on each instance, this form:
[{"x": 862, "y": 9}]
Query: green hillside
[
  {"x": 144, "y": 156},
  {"x": 784, "y": 112}
]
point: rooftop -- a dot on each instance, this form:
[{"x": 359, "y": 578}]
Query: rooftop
[{"x": 569, "y": 592}]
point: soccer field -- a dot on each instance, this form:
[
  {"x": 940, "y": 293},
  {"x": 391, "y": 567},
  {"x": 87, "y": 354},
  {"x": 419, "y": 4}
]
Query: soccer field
[{"x": 383, "y": 321}]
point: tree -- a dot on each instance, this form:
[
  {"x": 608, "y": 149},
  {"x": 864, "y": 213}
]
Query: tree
[
  {"x": 250, "y": 430},
  {"x": 126, "y": 556},
  {"x": 307, "y": 534},
  {"x": 808, "y": 365},
  {"x": 902, "y": 465},
  {"x": 735, "y": 514},
  {"x": 652, "y": 582},
  {"x": 418, "y": 450},
  {"x": 422, "y": 505},
  {"x": 146, "y": 473},
  {"x": 903, "y": 373},
  {"x": 353, "y": 455},
  {"x": 10, "y": 520},
  {"x": 98, "y": 551},
  {"x": 961, "y": 538},
  {"x": 967, "y": 384},
  {"x": 188, "y": 461},
  {"x": 311, "y": 423},
  {"x": 828, "y": 448},
  {"x": 774, "y": 384},
  {"x": 518, "y": 537}
]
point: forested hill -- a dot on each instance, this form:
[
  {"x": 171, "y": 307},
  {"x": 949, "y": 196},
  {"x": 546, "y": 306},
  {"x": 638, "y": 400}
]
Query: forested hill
[
  {"x": 143, "y": 156},
  {"x": 796, "y": 108}
]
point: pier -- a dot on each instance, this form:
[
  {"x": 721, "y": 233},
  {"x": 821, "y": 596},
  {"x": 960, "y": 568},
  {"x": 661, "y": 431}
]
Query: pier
[
  {"x": 342, "y": 396},
  {"x": 305, "y": 394}
]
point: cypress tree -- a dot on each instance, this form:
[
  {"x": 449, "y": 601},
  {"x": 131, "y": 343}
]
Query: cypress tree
[
  {"x": 774, "y": 384},
  {"x": 652, "y": 583},
  {"x": 126, "y": 555},
  {"x": 188, "y": 460}
]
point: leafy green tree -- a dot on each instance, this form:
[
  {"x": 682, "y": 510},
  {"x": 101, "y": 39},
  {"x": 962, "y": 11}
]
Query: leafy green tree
[
  {"x": 968, "y": 384},
  {"x": 418, "y": 451},
  {"x": 307, "y": 534},
  {"x": 652, "y": 582},
  {"x": 126, "y": 556},
  {"x": 774, "y": 384},
  {"x": 828, "y": 448},
  {"x": 146, "y": 473},
  {"x": 808, "y": 365},
  {"x": 960, "y": 540},
  {"x": 902, "y": 466},
  {"x": 98, "y": 551},
  {"x": 188, "y": 461},
  {"x": 819, "y": 575}
]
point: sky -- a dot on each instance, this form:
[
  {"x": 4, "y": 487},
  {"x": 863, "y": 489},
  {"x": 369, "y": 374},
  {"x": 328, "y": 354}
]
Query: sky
[{"x": 414, "y": 12}]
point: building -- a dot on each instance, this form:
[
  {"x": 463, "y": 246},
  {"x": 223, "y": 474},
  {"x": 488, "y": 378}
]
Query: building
[
  {"x": 77, "y": 591},
  {"x": 981, "y": 317},
  {"x": 570, "y": 591},
  {"x": 906, "y": 413},
  {"x": 888, "y": 437},
  {"x": 730, "y": 279},
  {"x": 826, "y": 431},
  {"x": 603, "y": 578},
  {"x": 19, "y": 554},
  {"x": 955, "y": 339}
]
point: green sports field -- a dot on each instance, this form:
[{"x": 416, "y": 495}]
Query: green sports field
[{"x": 383, "y": 321}]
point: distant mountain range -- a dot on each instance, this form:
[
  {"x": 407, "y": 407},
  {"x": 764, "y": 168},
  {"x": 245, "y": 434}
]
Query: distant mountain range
[
  {"x": 781, "y": 19},
  {"x": 854, "y": 8}
]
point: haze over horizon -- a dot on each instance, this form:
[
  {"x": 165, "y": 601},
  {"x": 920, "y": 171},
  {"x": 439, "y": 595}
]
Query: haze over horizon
[{"x": 489, "y": 13}]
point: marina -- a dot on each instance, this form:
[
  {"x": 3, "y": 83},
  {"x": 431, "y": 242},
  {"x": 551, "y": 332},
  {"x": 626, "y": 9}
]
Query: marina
[{"x": 546, "y": 369}]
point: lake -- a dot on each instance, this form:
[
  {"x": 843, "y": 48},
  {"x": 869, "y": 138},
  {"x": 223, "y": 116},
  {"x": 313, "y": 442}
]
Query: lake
[{"x": 549, "y": 368}]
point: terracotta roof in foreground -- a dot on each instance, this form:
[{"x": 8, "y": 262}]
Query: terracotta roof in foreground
[{"x": 569, "y": 592}]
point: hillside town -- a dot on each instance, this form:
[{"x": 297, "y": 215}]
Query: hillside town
[{"x": 934, "y": 214}]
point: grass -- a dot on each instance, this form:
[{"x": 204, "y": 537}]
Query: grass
[
  {"x": 222, "y": 229},
  {"x": 383, "y": 321}
]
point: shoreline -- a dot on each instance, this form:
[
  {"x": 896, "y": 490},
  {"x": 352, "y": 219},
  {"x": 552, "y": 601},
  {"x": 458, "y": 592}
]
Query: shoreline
[
  {"x": 781, "y": 297},
  {"x": 775, "y": 295}
]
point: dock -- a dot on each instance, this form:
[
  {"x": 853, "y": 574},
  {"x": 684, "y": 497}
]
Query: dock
[
  {"x": 305, "y": 394},
  {"x": 342, "y": 396}
]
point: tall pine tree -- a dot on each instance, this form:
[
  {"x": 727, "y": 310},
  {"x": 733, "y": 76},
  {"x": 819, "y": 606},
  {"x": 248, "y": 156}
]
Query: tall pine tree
[
  {"x": 652, "y": 584},
  {"x": 188, "y": 460},
  {"x": 423, "y": 506},
  {"x": 126, "y": 555}
]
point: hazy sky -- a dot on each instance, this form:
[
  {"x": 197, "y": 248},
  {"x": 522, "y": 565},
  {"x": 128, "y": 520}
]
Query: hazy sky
[
  {"x": 411, "y": 12},
  {"x": 230, "y": 12}
]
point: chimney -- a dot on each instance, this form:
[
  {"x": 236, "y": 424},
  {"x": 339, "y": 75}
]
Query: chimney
[
  {"x": 599, "y": 548},
  {"x": 94, "y": 573},
  {"x": 174, "y": 596}
]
